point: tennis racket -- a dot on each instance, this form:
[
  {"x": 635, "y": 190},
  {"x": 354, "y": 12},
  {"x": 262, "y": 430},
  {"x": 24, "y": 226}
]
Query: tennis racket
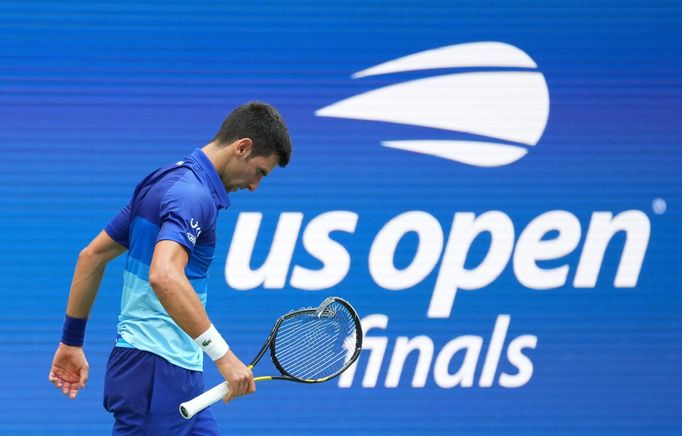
[{"x": 310, "y": 345}]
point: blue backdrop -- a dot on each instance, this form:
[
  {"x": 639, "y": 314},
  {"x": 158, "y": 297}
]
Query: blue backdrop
[{"x": 94, "y": 95}]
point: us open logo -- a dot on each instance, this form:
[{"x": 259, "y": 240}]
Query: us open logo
[{"x": 506, "y": 110}]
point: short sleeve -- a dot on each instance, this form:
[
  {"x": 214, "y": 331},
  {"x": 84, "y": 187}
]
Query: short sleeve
[
  {"x": 119, "y": 227},
  {"x": 182, "y": 214}
]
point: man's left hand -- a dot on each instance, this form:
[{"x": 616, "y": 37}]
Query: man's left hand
[{"x": 69, "y": 370}]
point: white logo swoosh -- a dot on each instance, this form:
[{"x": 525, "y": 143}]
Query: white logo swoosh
[
  {"x": 477, "y": 153},
  {"x": 473, "y": 54},
  {"x": 501, "y": 105}
]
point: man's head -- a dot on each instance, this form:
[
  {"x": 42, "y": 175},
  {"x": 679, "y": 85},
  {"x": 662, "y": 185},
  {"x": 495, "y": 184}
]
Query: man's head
[
  {"x": 261, "y": 123},
  {"x": 251, "y": 142}
]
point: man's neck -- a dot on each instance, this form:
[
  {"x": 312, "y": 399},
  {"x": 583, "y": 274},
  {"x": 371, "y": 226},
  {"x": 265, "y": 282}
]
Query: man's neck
[{"x": 216, "y": 154}]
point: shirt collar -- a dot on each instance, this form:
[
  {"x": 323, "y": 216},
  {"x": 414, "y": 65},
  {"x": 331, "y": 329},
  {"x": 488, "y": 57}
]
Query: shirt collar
[{"x": 206, "y": 166}]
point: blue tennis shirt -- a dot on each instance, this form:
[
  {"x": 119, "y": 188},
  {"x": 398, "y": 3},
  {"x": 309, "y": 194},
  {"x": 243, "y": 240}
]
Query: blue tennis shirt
[{"x": 179, "y": 203}]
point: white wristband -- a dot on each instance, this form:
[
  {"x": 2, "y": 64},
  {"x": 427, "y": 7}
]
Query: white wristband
[{"x": 212, "y": 343}]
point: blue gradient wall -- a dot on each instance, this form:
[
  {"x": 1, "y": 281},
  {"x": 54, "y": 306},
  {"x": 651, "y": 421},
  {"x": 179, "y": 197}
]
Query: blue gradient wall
[{"x": 95, "y": 95}]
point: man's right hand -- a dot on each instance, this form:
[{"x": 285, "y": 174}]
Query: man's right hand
[{"x": 239, "y": 378}]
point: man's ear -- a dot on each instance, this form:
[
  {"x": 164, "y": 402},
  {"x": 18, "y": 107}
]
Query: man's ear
[{"x": 244, "y": 147}]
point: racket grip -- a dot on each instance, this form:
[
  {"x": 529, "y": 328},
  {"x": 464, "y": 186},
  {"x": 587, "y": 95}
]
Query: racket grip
[{"x": 190, "y": 408}]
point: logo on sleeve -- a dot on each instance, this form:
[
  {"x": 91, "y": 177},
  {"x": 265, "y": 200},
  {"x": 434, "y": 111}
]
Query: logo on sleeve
[{"x": 194, "y": 224}]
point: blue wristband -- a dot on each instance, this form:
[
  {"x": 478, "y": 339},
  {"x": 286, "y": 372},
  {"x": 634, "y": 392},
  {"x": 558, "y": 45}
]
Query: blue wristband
[{"x": 73, "y": 332}]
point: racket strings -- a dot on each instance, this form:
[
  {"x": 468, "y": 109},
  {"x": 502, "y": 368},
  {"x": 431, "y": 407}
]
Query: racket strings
[
  {"x": 312, "y": 347},
  {"x": 320, "y": 362},
  {"x": 288, "y": 350},
  {"x": 312, "y": 368}
]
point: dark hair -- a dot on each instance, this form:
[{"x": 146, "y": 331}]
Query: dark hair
[{"x": 263, "y": 125}]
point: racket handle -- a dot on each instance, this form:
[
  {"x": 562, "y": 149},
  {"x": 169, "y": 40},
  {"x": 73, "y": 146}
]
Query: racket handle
[{"x": 190, "y": 408}]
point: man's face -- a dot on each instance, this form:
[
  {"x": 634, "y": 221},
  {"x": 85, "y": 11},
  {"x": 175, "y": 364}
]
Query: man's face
[{"x": 246, "y": 171}]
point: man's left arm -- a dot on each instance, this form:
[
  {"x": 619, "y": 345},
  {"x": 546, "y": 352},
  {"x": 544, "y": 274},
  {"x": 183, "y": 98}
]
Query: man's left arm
[{"x": 69, "y": 371}]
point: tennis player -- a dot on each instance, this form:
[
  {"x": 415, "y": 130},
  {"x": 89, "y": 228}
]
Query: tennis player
[{"x": 168, "y": 229}]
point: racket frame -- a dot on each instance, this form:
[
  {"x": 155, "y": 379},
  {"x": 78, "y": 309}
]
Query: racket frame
[
  {"x": 271, "y": 344},
  {"x": 189, "y": 408}
]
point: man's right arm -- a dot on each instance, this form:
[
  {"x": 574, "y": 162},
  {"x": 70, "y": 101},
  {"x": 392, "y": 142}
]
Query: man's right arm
[{"x": 176, "y": 294}]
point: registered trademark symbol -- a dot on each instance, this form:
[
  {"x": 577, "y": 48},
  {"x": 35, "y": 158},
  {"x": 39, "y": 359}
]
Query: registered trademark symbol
[{"x": 659, "y": 206}]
